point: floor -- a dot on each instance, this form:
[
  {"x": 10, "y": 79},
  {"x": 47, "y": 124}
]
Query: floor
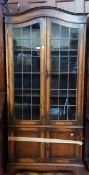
[
  {"x": 86, "y": 173},
  {"x": 44, "y": 174},
  {"x": 48, "y": 173}
]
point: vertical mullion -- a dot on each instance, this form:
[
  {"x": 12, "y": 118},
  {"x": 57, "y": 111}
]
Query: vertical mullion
[
  {"x": 48, "y": 66},
  {"x": 31, "y": 69},
  {"x": 42, "y": 83},
  {"x": 48, "y": 79},
  {"x": 68, "y": 79},
  {"x": 77, "y": 63},
  {"x": 7, "y": 69},
  {"x": 10, "y": 78},
  {"x": 22, "y": 72},
  {"x": 59, "y": 71},
  {"x": 42, "y": 69},
  {"x": 80, "y": 73}
]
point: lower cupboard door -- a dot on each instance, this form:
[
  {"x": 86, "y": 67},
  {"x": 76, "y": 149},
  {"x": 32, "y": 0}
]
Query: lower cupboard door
[{"x": 63, "y": 151}]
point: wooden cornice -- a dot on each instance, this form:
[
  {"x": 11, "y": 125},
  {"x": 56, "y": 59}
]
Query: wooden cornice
[{"x": 37, "y": 12}]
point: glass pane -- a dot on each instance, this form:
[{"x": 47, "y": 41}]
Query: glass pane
[
  {"x": 26, "y": 92},
  {"x": 72, "y": 81},
  {"x": 26, "y": 62},
  {"x": 26, "y": 100},
  {"x": 26, "y": 33},
  {"x": 72, "y": 93},
  {"x": 63, "y": 92},
  {"x": 36, "y": 64},
  {"x": 26, "y": 112},
  {"x": 36, "y": 92},
  {"x": 58, "y": 113},
  {"x": 18, "y": 112},
  {"x": 73, "y": 59},
  {"x": 26, "y": 44},
  {"x": 73, "y": 67},
  {"x": 18, "y": 63},
  {"x": 63, "y": 113},
  {"x": 55, "y": 64},
  {"x": 73, "y": 64},
  {"x": 36, "y": 31},
  {"x": 71, "y": 112},
  {"x": 54, "y": 100},
  {"x": 73, "y": 44},
  {"x": 72, "y": 101},
  {"x": 36, "y": 100},
  {"x": 18, "y": 80},
  {"x": 16, "y": 33},
  {"x": 35, "y": 45},
  {"x": 55, "y": 44},
  {"x": 36, "y": 113},
  {"x": 74, "y": 32},
  {"x": 55, "y": 28},
  {"x": 18, "y": 92},
  {"x": 54, "y": 111},
  {"x": 36, "y": 52},
  {"x": 18, "y": 99},
  {"x": 54, "y": 53},
  {"x": 62, "y": 101},
  {"x": 64, "y": 32},
  {"x": 73, "y": 53},
  {"x": 35, "y": 81},
  {"x": 17, "y": 45},
  {"x": 64, "y": 53},
  {"x": 64, "y": 44},
  {"x": 26, "y": 81},
  {"x": 63, "y": 81},
  {"x": 54, "y": 81},
  {"x": 54, "y": 92},
  {"x": 64, "y": 63}
]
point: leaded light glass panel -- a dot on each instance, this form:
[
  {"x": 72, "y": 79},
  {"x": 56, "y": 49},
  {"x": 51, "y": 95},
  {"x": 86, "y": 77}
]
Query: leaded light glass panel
[
  {"x": 26, "y": 44},
  {"x": 64, "y": 63}
]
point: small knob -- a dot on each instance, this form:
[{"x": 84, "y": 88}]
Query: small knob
[{"x": 72, "y": 134}]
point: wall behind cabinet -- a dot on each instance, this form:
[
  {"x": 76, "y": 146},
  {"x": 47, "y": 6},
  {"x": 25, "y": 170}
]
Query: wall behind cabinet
[{"x": 77, "y": 6}]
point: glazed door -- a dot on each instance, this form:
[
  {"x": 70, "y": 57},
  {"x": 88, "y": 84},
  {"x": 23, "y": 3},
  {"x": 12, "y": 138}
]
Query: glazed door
[
  {"x": 26, "y": 86},
  {"x": 45, "y": 81},
  {"x": 64, "y": 94}
]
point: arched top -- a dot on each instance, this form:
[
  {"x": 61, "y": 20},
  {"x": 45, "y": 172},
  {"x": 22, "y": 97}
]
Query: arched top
[{"x": 45, "y": 12}]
